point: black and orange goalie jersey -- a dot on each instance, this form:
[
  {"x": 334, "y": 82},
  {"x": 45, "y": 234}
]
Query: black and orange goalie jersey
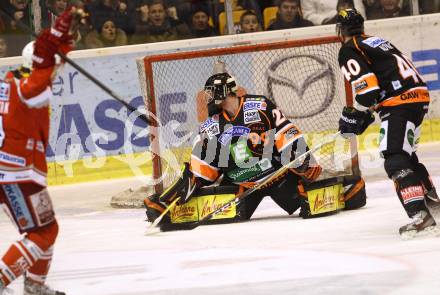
[
  {"x": 380, "y": 75},
  {"x": 249, "y": 146}
]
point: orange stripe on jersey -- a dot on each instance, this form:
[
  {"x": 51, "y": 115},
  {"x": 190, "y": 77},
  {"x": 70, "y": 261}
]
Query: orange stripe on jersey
[
  {"x": 414, "y": 95},
  {"x": 360, "y": 50},
  {"x": 225, "y": 114},
  {"x": 287, "y": 137},
  {"x": 365, "y": 84},
  {"x": 203, "y": 169}
]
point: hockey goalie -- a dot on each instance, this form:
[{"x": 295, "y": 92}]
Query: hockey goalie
[{"x": 244, "y": 141}]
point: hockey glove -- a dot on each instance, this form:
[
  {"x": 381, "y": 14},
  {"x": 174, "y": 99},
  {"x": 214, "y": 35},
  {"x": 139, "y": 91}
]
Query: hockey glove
[
  {"x": 56, "y": 39},
  {"x": 354, "y": 122}
]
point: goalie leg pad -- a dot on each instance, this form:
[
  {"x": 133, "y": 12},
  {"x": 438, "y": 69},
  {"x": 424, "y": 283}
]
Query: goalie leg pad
[
  {"x": 155, "y": 208},
  {"x": 184, "y": 187},
  {"x": 321, "y": 198},
  {"x": 354, "y": 192},
  {"x": 207, "y": 200},
  {"x": 285, "y": 193}
]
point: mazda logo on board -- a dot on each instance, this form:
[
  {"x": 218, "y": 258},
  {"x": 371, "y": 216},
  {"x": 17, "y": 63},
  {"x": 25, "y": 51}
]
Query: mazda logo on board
[{"x": 301, "y": 85}]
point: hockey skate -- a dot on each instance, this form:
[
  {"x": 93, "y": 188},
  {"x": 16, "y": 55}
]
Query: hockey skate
[
  {"x": 33, "y": 288},
  {"x": 432, "y": 202},
  {"x": 423, "y": 224}
]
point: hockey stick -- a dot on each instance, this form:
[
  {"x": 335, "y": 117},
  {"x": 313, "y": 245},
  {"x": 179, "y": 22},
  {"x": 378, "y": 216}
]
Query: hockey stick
[
  {"x": 83, "y": 71},
  {"x": 152, "y": 229},
  {"x": 238, "y": 199}
]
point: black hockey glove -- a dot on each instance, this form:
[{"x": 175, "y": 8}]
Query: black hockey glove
[{"x": 354, "y": 122}]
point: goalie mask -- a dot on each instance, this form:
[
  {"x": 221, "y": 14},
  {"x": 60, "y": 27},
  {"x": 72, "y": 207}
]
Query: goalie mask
[
  {"x": 218, "y": 87},
  {"x": 349, "y": 23}
]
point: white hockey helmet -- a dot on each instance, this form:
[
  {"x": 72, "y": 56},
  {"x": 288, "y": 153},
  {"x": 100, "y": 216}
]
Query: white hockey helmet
[{"x": 27, "y": 53}]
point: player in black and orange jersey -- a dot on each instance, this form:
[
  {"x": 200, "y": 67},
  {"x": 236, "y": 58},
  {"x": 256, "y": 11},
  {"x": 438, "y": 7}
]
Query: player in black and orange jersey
[
  {"x": 385, "y": 80},
  {"x": 245, "y": 139}
]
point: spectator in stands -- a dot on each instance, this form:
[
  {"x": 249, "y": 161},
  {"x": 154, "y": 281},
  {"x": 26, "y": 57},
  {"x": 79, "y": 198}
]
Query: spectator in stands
[
  {"x": 106, "y": 34},
  {"x": 387, "y": 9},
  {"x": 249, "y": 22},
  {"x": 3, "y": 47},
  {"x": 342, "y": 4},
  {"x": 200, "y": 26},
  {"x": 53, "y": 8},
  {"x": 15, "y": 36},
  {"x": 141, "y": 17},
  {"x": 2, "y": 25},
  {"x": 320, "y": 12},
  {"x": 429, "y": 6},
  {"x": 253, "y": 5},
  {"x": 121, "y": 11},
  {"x": 289, "y": 16},
  {"x": 160, "y": 27}
]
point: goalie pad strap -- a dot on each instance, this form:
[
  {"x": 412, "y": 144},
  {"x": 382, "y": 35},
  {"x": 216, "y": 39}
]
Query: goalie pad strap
[{"x": 354, "y": 189}]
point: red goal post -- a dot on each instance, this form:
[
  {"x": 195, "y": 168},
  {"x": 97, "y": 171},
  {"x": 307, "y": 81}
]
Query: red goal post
[{"x": 302, "y": 77}]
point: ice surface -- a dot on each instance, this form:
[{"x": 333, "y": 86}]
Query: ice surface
[{"x": 103, "y": 251}]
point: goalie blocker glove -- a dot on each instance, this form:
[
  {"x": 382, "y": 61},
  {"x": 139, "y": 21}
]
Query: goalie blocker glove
[{"x": 353, "y": 121}]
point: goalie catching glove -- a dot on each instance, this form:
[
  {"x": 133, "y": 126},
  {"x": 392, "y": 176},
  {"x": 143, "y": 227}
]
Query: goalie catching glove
[{"x": 353, "y": 121}]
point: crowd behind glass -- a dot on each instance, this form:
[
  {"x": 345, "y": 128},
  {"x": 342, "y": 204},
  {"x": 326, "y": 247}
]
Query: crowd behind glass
[{"x": 123, "y": 22}]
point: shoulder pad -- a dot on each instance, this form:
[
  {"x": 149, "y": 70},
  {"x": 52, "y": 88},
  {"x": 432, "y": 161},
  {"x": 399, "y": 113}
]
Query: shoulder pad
[
  {"x": 374, "y": 41},
  {"x": 5, "y": 90}
]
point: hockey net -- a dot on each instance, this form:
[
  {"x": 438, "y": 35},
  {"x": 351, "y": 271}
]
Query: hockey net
[{"x": 302, "y": 77}]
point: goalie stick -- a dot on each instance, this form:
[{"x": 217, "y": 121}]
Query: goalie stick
[
  {"x": 84, "y": 72},
  {"x": 152, "y": 229},
  {"x": 238, "y": 199}
]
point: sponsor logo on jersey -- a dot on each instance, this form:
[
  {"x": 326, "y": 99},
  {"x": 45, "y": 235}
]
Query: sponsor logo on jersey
[
  {"x": 4, "y": 91},
  {"x": 255, "y": 172},
  {"x": 208, "y": 123},
  {"x": 290, "y": 133},
  {"x": 412, "y": 193},
  {"x": 251, "y": 116},
  {"x": 360, "y": 86},
  {"x": 254, "y": 105},
  {"x": 211, "y": 127},
  {"x": 18, "y": 205},
  {"x": 396, "y": 84},
  {"x": 40, "y": 146},
  {"x": 30, "y": 144},
  {"x": 374, "y": 41},
  {"x": 409, "y": 95},
  {"x": 232, "y": 132},
  {"x": 11, "y": 159},
  {"x": 212, "y": 130}
]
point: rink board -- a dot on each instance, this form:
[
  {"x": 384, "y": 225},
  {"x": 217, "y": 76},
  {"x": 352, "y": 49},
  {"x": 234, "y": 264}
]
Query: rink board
[{"x": 94, "y": 125}]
